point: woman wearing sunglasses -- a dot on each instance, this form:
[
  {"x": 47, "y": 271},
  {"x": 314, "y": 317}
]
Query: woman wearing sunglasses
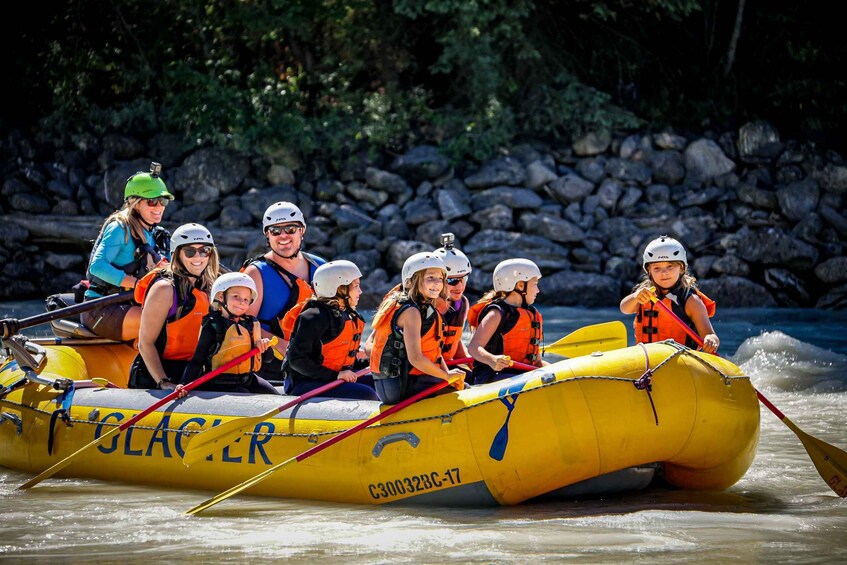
[
  {"x": 282, "y": 276},
  {"x": 130, "y": 244},
  {"x": 174, "y": 299}
]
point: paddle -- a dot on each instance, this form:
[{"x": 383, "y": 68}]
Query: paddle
[
  {"x": 516, "y": 364},
  {"x": 316, "y": 449},
  {"x": 830, "y": 461},
  {"x": 584, "y": 341},
  {"x": 211, "y": 440},
  {"x": 11, "y": 326},
  {"x": 172, "y": 396}
]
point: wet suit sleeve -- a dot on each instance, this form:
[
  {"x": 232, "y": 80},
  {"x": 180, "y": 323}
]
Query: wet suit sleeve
[
  {"x": 305, "y": 347},
  {"x": 206, "y": 346},
  {"x": 113, "y": 249}
]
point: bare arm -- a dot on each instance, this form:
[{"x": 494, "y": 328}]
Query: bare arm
[
  {"x": 630, "y": 304},
  {"x": 483, "y": 334},
  {"x": 154, "y": 313},
  {"x": 696, "y": 310}
]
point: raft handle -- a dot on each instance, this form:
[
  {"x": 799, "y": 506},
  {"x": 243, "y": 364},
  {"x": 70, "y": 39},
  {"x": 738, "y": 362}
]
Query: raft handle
[
  {"x": 16, "y": 420},
  {"x": 409, "y": 437}
]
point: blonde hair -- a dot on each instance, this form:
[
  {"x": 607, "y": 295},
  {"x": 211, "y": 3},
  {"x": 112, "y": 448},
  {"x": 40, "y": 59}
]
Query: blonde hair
[
  {"x": 492, "y": 295},
  {"x": 339, "y": 300},
  {"x": 128, "y": 218},
  {"x": 685, "y": 279}
]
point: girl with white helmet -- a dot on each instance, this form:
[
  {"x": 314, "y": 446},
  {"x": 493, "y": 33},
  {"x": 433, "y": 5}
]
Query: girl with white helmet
[
  {"x": 282, "y": 276},
  {"x": 454, "y": 309},
  {"x": 326, "y": 337},
  {"x": 508, "y": 327},
  {"x": 129, "y": 245},
  {"x": 407, "y": 355},
  {"x": 173, "y": 301},
  {"x": 228, "y": 331},
  {"x": 666, "y": 278}
]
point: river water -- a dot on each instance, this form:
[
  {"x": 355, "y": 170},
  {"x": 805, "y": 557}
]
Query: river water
[{"x": 781, "y": 511}]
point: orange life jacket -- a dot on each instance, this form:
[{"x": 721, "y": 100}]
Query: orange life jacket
[
  {"x": 286, "y": 324},
  {"x": 519, "y": 334},
  {"x": 651, "y": 324},
  {"x": 179, "y": 336},
  {"x": 454, "y": 324},
  {"x": 239, "y": 338},
  {"x": 388, "y": 339},
  {"x": 339, "y": 352}
]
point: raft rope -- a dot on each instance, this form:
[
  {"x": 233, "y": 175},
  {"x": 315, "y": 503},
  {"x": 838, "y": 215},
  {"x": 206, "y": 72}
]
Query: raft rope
[
  {"x": 645, "y": 381},
  {"x": 64, "y": 412},
  {"x": 680, "y": 350}
]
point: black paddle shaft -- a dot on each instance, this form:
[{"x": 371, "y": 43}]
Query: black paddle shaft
[{"x": 11, "y": 326}]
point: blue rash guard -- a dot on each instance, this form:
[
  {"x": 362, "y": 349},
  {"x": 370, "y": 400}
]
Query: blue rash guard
[{"x": 112, "y": 250}]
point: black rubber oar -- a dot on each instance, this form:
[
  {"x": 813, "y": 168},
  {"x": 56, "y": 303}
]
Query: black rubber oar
[
  {"x": 11, "y": 326},
  {"x": 317, "y": 449},
  {"x": 830, "y": 461}
]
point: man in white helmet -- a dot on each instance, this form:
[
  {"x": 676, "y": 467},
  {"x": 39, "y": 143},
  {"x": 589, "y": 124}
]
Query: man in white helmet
[
  {"x": 454, "y": 309},
  {"x": 282, "y": 276}
]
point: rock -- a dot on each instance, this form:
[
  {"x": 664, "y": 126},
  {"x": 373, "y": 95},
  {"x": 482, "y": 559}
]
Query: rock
[
  {"x": 29, "y": 203},
  {"x": 453, "y": 203},
  {"x": 399, "y": 251},
  {"x": 835, "y": 299},
  {"x": 569, "y": 188},
  {"x": 736, "y": 292},
  {"x": 756, "y": 197},
  {"x": 629, "y": 171},
  {"x": 667, "y": 140},
  {"x": 580, "y": 289},
  {"x": 773, "y": 247},
  {"x": 799, "y": 199},
  {"x": 731, "y": 265},
  {"x": 538, "y": 174},
  {"x": 788, "y": 289},
  {"x": 388, "y": 182},
  {"x": 122, "y": 147},
  {"x": 234, "y": 217},
  {"x": 592, "y": 169},
  {"x": 758, "y": 141},
  {"x": 169, "y": 149},
  {"x": 832, "y": 270},
  {"x": 280, "y": 174},
  {"x": 420, "y": 210},
  {"x": 488, "y": 247},
  {"x": 704, "y": 160},
  {"x": 609, "y": 193},
  {"x": 516, "y": 198},
  {"x": 63, "y": 261},
  {"x": 208, "y": 173},
  {"x": 668, "y": 167},
  {"x": 505, "y": 171},
  {"x": 834, "y": 219},
  {"x": 833, "y": 178},
  {"x": 592, "y": 143},
  {"x": 421, "y": 163},
  {"x": 497, "y": 217},
  {"x": 553, "y": 228}
]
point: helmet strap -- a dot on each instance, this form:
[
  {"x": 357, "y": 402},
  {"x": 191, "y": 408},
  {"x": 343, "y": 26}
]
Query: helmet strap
[{"x": 522, "y": 293}]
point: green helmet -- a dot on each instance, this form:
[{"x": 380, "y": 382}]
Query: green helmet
[{"x": 147, "y": 185}]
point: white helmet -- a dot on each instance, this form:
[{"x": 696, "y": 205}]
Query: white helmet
[
  {"x": 508, "y": 273},
  {"x": 229, "y": 280},
  {"x": 329, "y": 276},
  {"x": 458, "y": 264},
  {"x": 282, "y": 213},
  {"x": 188, "y": 234},
  {"x": 421, "y": 262},
  {"x": 664, "y": 248}
]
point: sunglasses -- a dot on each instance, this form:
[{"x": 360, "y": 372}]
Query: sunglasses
[
  {"x": 160, "y": 201},
  {"x": 455, "y": 281},
  {"x": 288, "y": 230},
  {"x": 190, "y": 252}
]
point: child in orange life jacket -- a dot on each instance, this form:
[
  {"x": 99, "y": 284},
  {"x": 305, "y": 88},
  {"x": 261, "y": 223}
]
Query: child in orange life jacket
[
  {"x": 508, "y": 327},
  {"x": 227, "y": 333},
  {"x": 665, "y": 264},
  {"x": 326, "y": 336},
  {"x": 454, "y": 309},
  {"x": 406, "y": 357}
]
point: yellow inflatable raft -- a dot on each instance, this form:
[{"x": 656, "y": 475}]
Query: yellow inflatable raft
[{"x": 695, "y": 415}]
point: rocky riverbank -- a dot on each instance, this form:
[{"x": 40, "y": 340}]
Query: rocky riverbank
[{"x": 763, "y": 219}]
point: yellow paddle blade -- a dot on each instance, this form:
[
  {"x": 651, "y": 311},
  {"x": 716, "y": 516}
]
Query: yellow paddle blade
[
  {"x": 210, "y": 441},
  {"x": 599, "y": 337},
  {"x": 830, "y": 461}
]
